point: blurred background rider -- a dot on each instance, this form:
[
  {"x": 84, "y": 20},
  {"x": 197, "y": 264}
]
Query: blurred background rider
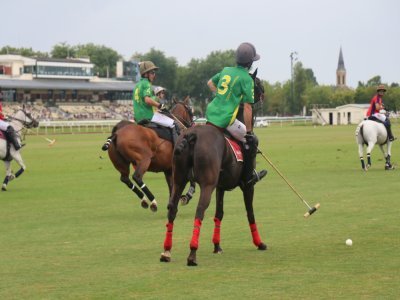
[{"x": 376, "y": 110}]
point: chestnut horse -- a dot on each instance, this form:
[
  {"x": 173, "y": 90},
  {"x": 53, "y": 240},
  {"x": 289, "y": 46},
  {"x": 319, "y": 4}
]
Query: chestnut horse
[
  {"x": 140, "y": 146},
  {"x": 203, "y": 155}
]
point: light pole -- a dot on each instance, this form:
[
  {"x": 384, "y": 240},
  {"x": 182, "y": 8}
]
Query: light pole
[{"x": 293, "y": 57}]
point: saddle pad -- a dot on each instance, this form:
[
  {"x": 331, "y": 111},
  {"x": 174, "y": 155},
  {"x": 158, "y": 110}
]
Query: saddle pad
[
  {"x": 162, "y": 132},
  {"x": 235, "y": 148}
]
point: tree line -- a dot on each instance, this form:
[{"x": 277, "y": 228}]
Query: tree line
[{"x": 281, "y": 98}]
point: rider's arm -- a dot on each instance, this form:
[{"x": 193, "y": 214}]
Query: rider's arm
[
  {"x": 212, "y": 86},
  {"x": 151, "y": 102},
  {"x": 247, "y": 115}
]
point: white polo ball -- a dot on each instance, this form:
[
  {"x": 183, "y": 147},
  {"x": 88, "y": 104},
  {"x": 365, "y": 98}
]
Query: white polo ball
[{"x": 349, "y": 242}]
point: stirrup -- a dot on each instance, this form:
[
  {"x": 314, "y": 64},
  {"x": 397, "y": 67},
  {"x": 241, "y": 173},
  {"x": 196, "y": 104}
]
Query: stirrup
[
  {"x": 392, "y": 138},
  {"x": 257, "y": 176}
]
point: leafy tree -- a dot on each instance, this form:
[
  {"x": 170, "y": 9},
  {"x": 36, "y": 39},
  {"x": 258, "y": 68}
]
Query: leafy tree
[
  {"x": 104, "y": 58},
  {"x": 28, "y": 52},
  {"x": 167, "y": 73},
  {"x": 63, "y": 50}
]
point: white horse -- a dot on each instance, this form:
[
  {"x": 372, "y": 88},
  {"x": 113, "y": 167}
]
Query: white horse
[
  {"x": 21, "y": 119},
  {"x": 370, "y": 133}
]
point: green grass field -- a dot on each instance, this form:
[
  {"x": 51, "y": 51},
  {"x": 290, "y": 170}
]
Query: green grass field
[{"x": 70, "y": 230}]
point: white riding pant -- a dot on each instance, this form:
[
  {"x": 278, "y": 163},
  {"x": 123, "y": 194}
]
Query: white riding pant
[
  {"x": 162, "y": 120},
  {"x": 4, "y": 125},
  {"x": 238, "y": 130},
  {"x": 380, "y": 117}
]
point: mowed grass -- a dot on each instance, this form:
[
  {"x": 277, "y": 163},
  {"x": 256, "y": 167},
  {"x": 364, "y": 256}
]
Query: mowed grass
[{"x": 70, "y": 230}]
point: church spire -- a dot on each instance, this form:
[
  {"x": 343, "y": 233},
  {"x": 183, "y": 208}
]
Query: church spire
[{"x": 341, "y": 71}]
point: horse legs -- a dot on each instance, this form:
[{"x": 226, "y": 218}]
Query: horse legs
[
  {"x": 248, "y": 195},
  {"x": 204, "y": 202},
  {"x": 7, "y": 164},
  {"x": 9, "y": 176},
  {"x": 185, "y": 199},
  {"x": 388, "y": 164},
  {"x": 138, "y": 176},
  {"x": 125, "y": 179},
  {"x": 369, "y": 150},
  {"x": 361, "y": 154},
  {"x": 177, "y": 190},
  {"x": 219, "y": 214}
]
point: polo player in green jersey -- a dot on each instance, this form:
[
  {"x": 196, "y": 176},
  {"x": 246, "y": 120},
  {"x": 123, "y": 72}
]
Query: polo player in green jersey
[
  {"x": 145, "y": 106},
  {"x": 232, "y": 87}
]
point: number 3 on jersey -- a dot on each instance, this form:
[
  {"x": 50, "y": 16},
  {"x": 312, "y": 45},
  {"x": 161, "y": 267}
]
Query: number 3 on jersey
[{"x": 224, "y": 84}]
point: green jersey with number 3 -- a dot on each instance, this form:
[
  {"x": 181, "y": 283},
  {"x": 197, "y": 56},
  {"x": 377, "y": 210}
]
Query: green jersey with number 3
[
  {"x": 234, "y": 86},
  {"x": 140, "y": 108}
]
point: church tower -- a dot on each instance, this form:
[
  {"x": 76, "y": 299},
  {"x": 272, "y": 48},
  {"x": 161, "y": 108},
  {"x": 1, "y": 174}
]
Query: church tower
[{"x": 341, "y": 71}]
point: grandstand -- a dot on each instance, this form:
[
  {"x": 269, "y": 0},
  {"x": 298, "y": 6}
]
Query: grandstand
[{"x": 71, "y": 112}]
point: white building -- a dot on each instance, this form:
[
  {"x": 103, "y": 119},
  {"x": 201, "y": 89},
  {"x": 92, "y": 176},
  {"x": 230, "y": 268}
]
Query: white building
[{"x": 341, "y": 115}]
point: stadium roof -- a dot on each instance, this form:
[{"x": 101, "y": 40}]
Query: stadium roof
[{"x": 48, "y": 84}]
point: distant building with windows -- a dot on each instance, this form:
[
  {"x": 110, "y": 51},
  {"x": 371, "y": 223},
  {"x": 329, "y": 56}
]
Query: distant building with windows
[{"x": 60, "y": 80}]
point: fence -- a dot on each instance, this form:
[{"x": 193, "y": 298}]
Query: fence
[{"x": 105, "y": 126}]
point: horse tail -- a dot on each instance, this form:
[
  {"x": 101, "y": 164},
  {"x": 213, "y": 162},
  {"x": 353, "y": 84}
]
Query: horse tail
[{"x": 187, "y": 142}]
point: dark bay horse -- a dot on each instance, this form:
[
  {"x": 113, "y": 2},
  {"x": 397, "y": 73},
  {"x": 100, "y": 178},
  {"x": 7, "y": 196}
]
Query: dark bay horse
[
  {"x": 141, "y": 147},
  {"x": 203, "y": 155}
]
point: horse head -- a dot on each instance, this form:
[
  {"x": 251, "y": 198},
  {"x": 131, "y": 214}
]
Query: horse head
[
  {"x": 182, "y": 112},
  {"x": 25, "y": 118},
  {"x": 258, "y": 87}
]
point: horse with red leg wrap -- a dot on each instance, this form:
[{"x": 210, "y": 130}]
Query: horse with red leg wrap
[{"x": 203, "y": 155}]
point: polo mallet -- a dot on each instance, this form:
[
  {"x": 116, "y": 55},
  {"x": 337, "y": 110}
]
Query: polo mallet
[
  {"x": 311, "y": 210},
  {"x": 51, "y": 142}
]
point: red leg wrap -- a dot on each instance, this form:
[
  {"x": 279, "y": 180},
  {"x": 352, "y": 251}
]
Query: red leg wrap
[
  {"x": 194, "y": 243},
  {"x": 168, "y": 237},
  {"x": 255, "y": 235},
  {"x": 217, "y": 230}
]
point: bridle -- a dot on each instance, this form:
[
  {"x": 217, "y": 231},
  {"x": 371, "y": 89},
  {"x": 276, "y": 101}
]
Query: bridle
[
  {"x": 184, "y": 123},
  {"x": 25, "y": 123}
]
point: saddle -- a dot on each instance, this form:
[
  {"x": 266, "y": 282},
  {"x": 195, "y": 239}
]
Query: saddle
[
  {"x": 162, "y": 132},
  {"x": 8, "y": 146}
]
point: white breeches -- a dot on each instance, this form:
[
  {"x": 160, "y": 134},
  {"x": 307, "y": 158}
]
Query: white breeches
[
  {"x": 238, "y": 130},
  {"x": 4, "y": 125},
  {"x": 162, "y": 120},
  {"x": 380, "y": 116}
]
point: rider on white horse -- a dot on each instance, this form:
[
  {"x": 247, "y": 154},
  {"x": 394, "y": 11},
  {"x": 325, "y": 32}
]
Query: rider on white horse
[
  {"x": 376, "y": 111},
  {"x": 8, "y": 130}
]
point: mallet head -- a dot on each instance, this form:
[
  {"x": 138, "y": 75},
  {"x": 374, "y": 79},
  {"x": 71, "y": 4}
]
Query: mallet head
[{"x": 312, "y": 210}]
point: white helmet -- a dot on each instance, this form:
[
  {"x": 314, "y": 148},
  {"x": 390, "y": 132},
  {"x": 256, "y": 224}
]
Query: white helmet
[{"x": 159, "y": 89}]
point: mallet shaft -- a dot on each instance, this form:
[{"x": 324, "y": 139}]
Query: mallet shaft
[{"x": 283, "y": 177}]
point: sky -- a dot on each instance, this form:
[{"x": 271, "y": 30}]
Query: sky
[{"x": 367, "y": 30}]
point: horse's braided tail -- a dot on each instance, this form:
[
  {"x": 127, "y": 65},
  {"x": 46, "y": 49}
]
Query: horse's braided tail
[{"x": 187, "y": 141}]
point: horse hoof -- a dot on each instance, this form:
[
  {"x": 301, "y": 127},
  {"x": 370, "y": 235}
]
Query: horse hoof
[
  {"x": 153, "y": 207},
  {"x": 144, "y": 204},
  {"x": 217, "y": 249},
  {"x": 165, "y": 256},
  {"x": 3, "y": 188},
  {"x": 191, "y": 263},
  {"x": 184, "y": 200},
  {"x": 262, "y": 246}
]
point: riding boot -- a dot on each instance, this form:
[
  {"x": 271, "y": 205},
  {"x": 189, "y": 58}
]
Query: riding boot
[
  {"x": 174, "y": 134},
  {"x": 250, "y": 175},
  {"x": 389, "y": 130},
  {"x": 13, "y": 138}
]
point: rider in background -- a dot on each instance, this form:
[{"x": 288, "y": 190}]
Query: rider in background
[
  {"x": 233, "y": 86},
  {"x": 8, "y": 130},
  {"x": 374, "y": 111},
  {"x": 161, "y": 95},
  {"x": 145, "y": 105}
]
